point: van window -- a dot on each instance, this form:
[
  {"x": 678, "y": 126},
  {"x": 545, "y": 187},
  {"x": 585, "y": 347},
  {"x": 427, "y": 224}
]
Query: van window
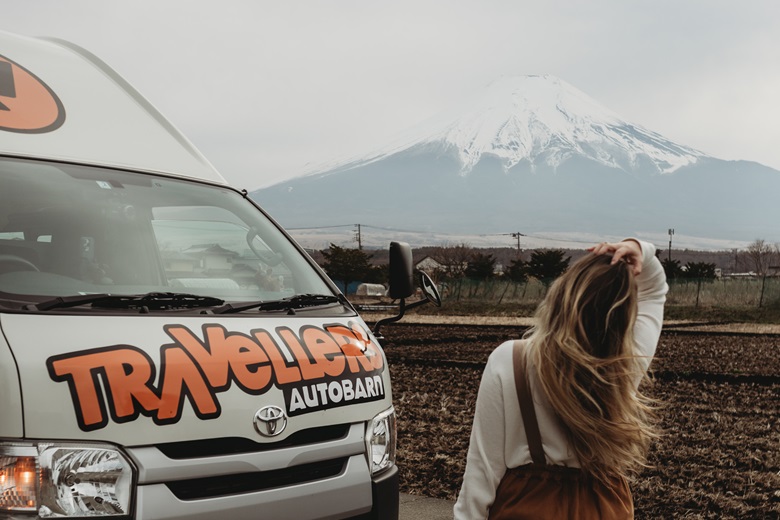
[{"x": 68, "y": 230}]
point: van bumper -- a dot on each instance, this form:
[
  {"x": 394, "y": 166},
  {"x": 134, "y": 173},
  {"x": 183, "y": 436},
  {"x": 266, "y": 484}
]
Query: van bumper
[{"x": 384, "y": 495}]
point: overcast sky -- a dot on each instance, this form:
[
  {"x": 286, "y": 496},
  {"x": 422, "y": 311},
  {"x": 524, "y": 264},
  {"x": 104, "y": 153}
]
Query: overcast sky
[{"x": 269, "y": 90}]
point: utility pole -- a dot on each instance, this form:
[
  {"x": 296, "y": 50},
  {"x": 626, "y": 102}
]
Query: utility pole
[
  {"x": 671, "y": 232},
  {"x": 517, "y": 236},
  {"x": 358, "y": 237}
]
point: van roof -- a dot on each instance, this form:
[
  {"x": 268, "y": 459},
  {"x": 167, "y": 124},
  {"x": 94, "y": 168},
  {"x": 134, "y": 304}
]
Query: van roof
[{"x": 60, "y": 102}]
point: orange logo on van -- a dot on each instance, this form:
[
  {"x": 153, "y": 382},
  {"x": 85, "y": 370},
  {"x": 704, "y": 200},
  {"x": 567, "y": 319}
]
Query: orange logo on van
[
  {"x": 316, "y": 369},
  {"x": 27, "y": 104}
]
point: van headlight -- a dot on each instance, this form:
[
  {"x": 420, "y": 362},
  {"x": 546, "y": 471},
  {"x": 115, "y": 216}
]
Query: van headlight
[
  {"x": 56, "y": 480},
  {"x": 381, "y": 440}
]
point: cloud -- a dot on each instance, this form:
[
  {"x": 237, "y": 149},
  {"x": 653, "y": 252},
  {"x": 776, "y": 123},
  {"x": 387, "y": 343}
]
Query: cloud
[{"x": 286, "y": 84}]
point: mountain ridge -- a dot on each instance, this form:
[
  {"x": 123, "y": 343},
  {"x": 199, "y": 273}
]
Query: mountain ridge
[{"x": 535, "y": 154}]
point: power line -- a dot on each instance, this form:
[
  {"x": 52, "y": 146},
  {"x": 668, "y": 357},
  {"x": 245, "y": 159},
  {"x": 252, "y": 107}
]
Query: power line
[
  {"x": 404, "y": 230},
  {"x": 359, "y": 227},
  {"x": 318, "y": 227},
  {"x": 560, "y": 239}
]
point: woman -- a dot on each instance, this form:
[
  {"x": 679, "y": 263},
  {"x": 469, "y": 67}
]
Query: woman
[{"x": 594, "y": 337}]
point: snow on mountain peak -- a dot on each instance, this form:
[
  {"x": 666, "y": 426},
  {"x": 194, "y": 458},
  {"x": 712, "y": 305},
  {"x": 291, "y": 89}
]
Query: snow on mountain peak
[{"x": 542, "y": 119}]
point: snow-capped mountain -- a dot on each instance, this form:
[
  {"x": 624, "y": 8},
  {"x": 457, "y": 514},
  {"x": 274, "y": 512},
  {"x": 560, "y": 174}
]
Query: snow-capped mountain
[
  {"x": 534, "y": 154},
  {"x": 542, "y": 118}
]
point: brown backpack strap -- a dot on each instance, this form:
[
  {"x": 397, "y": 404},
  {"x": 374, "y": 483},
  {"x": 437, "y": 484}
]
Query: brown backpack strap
[{"x": 527, "y": 406}]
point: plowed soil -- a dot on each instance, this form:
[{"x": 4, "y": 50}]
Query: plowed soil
[{"x": 720, "y": 453}]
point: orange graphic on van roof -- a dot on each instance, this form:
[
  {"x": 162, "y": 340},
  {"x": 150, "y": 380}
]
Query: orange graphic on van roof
[{"x": 27, "y": 104}]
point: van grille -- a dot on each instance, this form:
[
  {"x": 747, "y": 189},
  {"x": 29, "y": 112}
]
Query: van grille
[
  {"x": 233, "y": 445},
  {"x": 208, "y": 487}
]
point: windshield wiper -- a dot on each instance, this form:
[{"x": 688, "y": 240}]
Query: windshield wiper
[
  {"x": 148, "y": 301},
  {"x": 285, "y": 304}
]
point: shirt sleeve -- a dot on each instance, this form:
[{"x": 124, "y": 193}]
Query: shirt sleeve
[
  {"x": 652, "y": 289},
  {"x": 485, "y": 462}
]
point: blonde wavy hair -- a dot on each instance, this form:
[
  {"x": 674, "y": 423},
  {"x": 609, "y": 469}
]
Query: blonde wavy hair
[{"x": 583, "y": 350}]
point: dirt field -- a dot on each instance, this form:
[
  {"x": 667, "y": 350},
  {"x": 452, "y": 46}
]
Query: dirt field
[{"x": 719, "y": 457}]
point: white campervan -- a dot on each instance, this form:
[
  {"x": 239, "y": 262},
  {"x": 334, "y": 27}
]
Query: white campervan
[{"x": 166, "y": 350}]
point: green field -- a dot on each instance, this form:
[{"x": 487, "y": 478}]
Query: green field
[{"x": 751, "y": 300}]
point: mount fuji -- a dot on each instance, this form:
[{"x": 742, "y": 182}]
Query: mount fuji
[{"x": 535, "y": 154}]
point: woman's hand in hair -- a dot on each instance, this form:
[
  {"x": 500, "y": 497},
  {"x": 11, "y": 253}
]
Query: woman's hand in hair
[{"x": 628, "y": 250}]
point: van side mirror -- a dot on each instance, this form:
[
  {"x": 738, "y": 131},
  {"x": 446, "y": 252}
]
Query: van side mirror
[
  {"x": 429, "y": 289},
  {"x": 401, "y": 271},
  {"x": 402, "y": 283}
]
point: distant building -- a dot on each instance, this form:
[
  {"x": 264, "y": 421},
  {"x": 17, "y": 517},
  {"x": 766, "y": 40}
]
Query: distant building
[
  {"x": 371, "y": 289},
  {"x": 176, "y": 262},
  {"x": 429, "y": 265},
  {"x": 213, "y": 257}
]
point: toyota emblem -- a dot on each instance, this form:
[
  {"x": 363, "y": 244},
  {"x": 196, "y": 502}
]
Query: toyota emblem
[{"x": 270, "y": 421}]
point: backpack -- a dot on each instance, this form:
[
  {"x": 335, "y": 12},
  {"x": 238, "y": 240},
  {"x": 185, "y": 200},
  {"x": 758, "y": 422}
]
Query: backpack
[{"x": 540, "y": 491}]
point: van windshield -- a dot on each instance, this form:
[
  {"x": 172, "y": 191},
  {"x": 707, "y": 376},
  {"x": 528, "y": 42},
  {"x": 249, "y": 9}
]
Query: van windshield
[{"x": 67, "y": 230}]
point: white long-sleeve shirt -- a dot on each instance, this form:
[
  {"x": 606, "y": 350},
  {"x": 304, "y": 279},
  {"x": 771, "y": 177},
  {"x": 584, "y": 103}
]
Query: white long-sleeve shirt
[{"x": 498, "y": 438}]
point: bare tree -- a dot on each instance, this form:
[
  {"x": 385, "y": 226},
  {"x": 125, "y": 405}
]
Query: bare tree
[
  {"x": 455, "y": 259},
  {"x": 761, "y": 256}
]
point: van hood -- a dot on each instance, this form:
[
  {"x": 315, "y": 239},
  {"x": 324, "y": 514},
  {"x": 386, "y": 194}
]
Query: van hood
[{"x": 139, "y": 380}]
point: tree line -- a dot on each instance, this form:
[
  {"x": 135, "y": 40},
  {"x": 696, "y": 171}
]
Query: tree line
[{"x": 464, "y": 262}]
